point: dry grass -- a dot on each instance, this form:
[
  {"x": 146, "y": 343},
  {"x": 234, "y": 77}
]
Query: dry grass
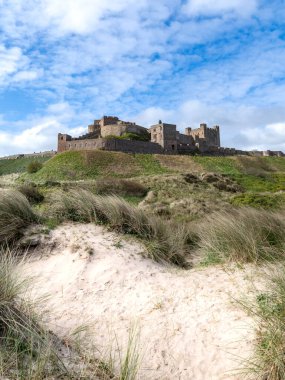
[
  {"x": 120, "y": 187},
  {"x": 244, "y": 235},
  {"x": 31, "y": 192},
  {"x": 165, "y": 242},
  {"x": 15, "y": 214}
]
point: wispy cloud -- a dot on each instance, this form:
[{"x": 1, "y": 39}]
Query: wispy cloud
[{"x": 220, "y": 7}]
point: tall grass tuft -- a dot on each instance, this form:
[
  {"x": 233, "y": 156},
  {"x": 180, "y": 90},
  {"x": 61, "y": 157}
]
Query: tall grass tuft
[
  {"x": 165, "y": 242},
  {"x": 244, "y": 235},
  {"x": 130, "y": 361},
  {"x": 15, "y": 214}
]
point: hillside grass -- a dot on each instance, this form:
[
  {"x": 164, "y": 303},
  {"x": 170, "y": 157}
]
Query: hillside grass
[
  {"x": 255, "y": 174},
  {"x": 18, "y": 165},
  {"x": 94, "y": 164}
]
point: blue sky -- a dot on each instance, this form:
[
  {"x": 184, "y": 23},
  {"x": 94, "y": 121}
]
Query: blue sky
[{"x": 65, "y": 63}]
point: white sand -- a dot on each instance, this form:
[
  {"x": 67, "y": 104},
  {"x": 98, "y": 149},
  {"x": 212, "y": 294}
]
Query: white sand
[{"x": 191, "y": 327}]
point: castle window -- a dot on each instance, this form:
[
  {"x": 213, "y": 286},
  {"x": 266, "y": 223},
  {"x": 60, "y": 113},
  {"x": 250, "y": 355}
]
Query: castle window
[{"x": 61, "y": 138}]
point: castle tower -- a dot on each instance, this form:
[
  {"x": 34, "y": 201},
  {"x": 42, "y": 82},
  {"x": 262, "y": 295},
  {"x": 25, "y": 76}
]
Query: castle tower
[
  {"x": 164, "y": 135},
  {"x": 62, "y": 142}
]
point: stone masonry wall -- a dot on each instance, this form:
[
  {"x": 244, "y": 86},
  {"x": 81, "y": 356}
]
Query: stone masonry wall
[{"x": 128, "y": 146}]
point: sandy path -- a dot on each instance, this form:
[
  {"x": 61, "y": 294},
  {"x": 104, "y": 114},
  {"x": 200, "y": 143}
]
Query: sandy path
[{"x": 191, "y": 328}]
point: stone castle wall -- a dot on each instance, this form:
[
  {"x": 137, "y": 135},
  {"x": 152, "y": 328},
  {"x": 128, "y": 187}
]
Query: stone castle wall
[{"x": 66, "y": 143}]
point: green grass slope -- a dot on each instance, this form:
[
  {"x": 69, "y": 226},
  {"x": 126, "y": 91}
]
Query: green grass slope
[
  {"x": 256, "y": 174},
  {"x": 94, "y": 164},
  {"x": 18, "y": 165}
]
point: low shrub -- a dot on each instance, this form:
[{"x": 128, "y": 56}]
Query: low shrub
[
  {"x": 31, "y": 192},
  {"x": 34, "y": 167},
  {"x": 227, "y": 186},
  {"x": 120, "y": 187},
  {"x": 15, "y": 214},
  {"x": 165, "y": 242},
  {"x": 244, "y": 235},
  {"x": 265, "y": 201}
]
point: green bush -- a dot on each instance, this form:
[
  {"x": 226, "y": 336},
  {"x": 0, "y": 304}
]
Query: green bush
[{"x": 34, "y": 167}]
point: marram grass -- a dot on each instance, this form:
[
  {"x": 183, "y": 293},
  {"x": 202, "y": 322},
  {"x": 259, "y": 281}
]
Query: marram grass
[
  {"x": 15, "y": 214},
  {"x": 165, "y": 242}
]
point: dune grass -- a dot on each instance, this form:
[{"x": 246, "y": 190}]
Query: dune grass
[
  {"x": 268, "y": 311},
  {"x": 244, "y": 235},
  {"x": 15, "y": 214},
  {"x": 165, "y": 242}
]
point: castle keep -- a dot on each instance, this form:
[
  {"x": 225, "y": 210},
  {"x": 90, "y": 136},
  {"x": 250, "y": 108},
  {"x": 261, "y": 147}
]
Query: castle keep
[{"x": 111, "y": 133}]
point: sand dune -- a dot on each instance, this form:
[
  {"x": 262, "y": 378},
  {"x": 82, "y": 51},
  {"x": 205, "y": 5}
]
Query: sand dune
[{"x": 190, "y": 325}]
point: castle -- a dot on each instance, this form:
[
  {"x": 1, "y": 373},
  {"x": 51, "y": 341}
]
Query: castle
[{"x": 111, "y": 133}]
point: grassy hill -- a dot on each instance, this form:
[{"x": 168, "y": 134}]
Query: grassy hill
[
  {"x": 253, "y": 173},
  {"x": 93, "y": 164},
  {"x": 18, "y": 165}
]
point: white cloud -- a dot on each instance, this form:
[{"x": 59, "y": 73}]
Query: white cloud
[
  {"x": 39, "y": 132},
  {"x": 80, "y": 16},
  {"x": 25, "y": 75},
  {"x": 11, "y": 59},
  {"x": 272, "y": 137},
  {"x": 220, "y": 7}
]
